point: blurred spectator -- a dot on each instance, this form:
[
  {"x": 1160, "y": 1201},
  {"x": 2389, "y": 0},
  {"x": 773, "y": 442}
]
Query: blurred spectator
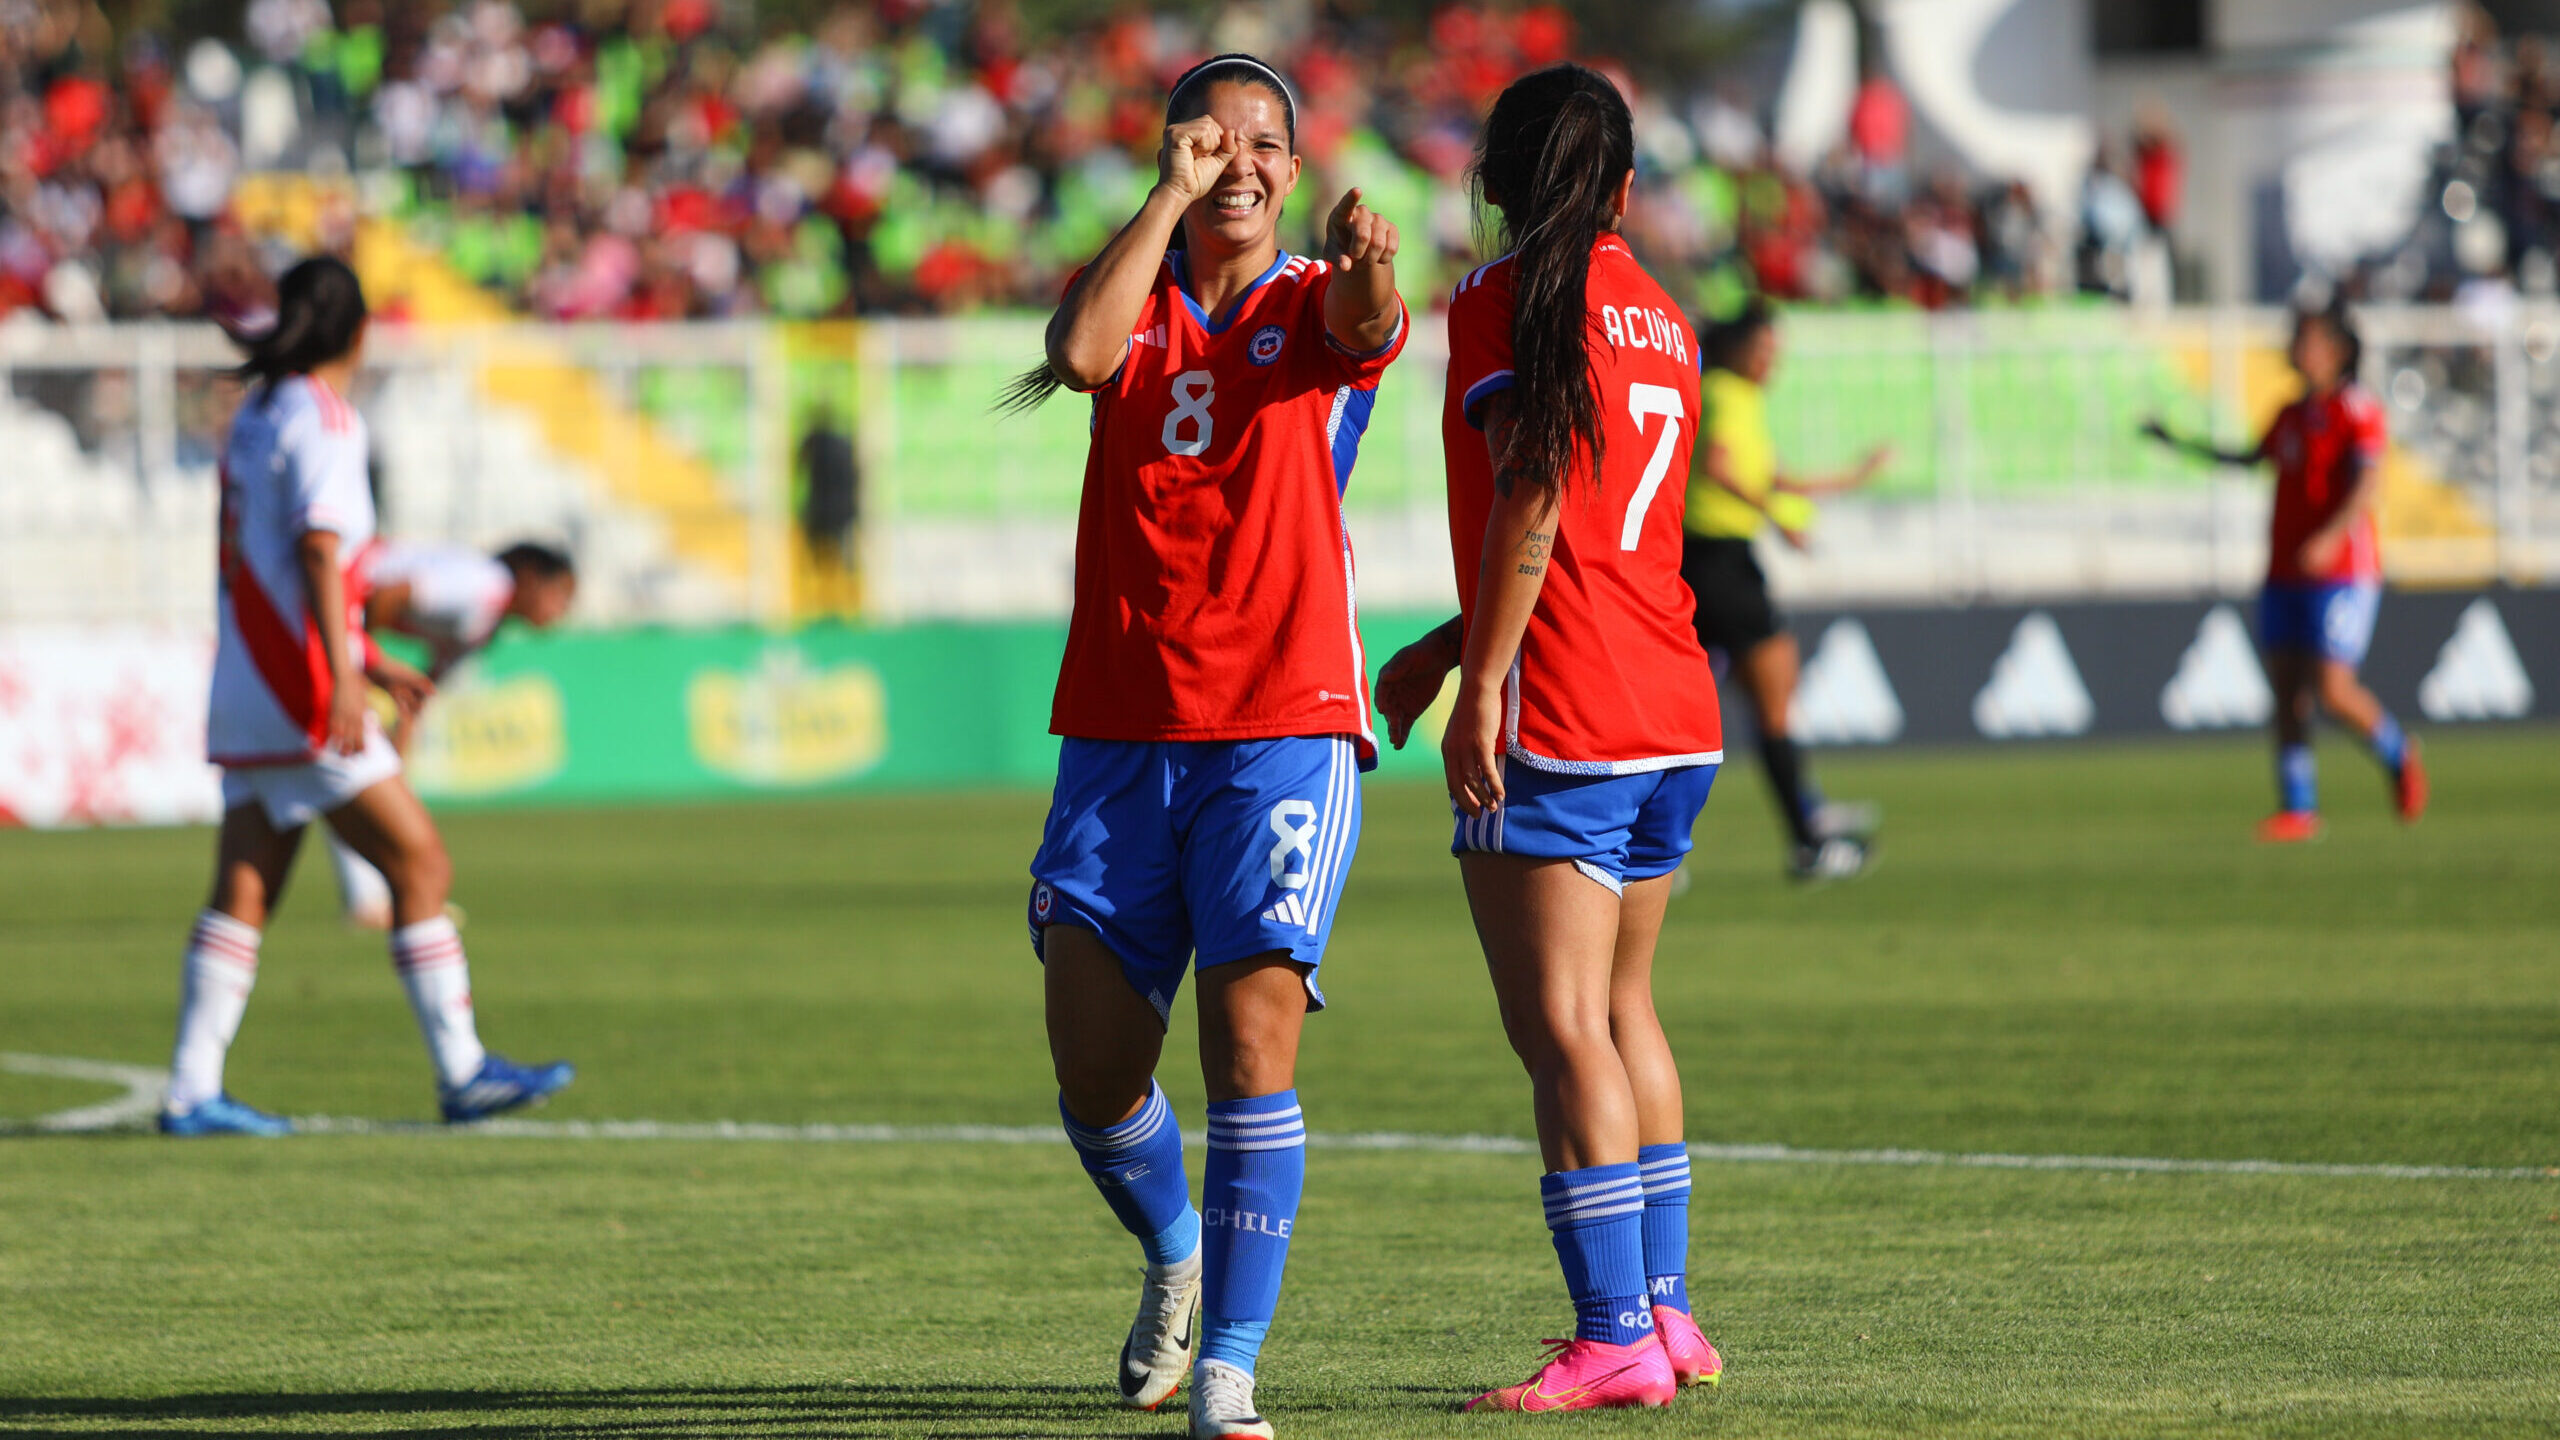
[
  {"x": 665, "y": 159},
  {"x": 831, "y": 502}
]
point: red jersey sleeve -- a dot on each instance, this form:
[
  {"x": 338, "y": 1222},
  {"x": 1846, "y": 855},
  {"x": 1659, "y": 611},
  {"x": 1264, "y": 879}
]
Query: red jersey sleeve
[
  {"x": 2367, "y": 432},
  {"x": 1356, "y": 367},
  {"x": 1480, "y": 341}
]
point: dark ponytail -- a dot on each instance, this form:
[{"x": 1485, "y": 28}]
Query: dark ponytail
[
  {"x": 1188, "y": 100},
  {"x": 320, "y": 312},
  {"x": 1559, "y": 142}
]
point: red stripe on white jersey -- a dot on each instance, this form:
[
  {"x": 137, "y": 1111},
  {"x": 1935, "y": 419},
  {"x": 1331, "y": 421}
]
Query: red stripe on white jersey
[{"x": 295, "y": 668}]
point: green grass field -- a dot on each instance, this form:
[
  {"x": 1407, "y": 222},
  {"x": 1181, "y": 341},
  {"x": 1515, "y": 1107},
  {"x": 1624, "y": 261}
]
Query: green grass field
[{"x": 2067, "y": 952}]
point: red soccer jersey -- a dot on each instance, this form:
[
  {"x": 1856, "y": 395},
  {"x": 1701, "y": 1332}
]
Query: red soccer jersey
[
  {"x": 1610, "y": 679},
  {"x": 2315, "y": 443},
  {"x": 1214, "y": 592}
]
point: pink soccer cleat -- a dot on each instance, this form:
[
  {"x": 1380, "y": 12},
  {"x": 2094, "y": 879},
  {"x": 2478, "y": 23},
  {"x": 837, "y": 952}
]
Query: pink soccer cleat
[
  {"x": 1694, "y": 1360},
  {"x": 2289, "y": 827},
  {"x": 1589, "y": 1375}
]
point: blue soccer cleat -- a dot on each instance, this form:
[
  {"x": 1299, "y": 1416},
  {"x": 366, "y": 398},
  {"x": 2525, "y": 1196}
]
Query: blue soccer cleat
[
  {"x": 503, "y": 1085},
  {"x": 223, "y": 1115}
]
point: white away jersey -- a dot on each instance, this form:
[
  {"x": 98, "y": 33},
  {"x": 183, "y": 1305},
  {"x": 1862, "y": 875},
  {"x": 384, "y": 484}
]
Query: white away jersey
[
  {"x": 294, "y": 463},
  {"x": 457, "y": 595}
]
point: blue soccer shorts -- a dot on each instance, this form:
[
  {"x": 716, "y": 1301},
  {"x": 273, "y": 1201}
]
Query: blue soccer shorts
[
  {"x": 1614, "y": 828},
  {"x": 2333, "y": 621},
  {"x": 1227, "y": 849}
]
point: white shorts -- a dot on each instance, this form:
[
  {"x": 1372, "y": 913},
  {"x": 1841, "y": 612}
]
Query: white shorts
[{"x": 295, "y": 795}]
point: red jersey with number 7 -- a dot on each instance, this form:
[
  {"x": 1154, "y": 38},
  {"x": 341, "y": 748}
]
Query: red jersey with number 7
[
  {"x": 1214, "y": 593},
  {"x": 1610, "y": 679}
]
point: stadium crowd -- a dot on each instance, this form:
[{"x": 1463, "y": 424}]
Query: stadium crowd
[{"x": 651, "y": 160}]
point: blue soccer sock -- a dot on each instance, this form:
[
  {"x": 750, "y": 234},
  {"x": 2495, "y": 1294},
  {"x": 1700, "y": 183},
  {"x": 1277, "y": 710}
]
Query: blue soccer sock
[
  {"x": 2390, "y": 743},
  {"x": 2297, "y": 779},
  {"x": 1596, "y": 1215},
  {"x": 1249, "y": 1204},
  {"x": 1666, "y": 1223},
  {"x": 1137, "y": 1165}
]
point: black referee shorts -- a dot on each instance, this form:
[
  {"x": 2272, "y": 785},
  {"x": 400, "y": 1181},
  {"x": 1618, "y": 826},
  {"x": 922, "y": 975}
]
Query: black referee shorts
[{"x": 1734, "y": 610}]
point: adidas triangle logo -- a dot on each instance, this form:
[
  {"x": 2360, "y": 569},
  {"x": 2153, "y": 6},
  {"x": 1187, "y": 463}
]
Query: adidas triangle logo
[
  {"x": 2478, "y": 675},
  {"x": 1843, "y": 696},
  {"x": 2034, "y": 688},
  {"x": 1292, "y": 910},
  {"x": 2220, "y": 684},
  {"x": 1152, "y": 335}
]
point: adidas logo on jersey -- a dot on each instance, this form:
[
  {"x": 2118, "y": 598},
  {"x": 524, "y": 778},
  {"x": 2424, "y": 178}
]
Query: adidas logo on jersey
[
  {"x": 1154, "y": 335},
  {"x": 1292, "y": 910}
]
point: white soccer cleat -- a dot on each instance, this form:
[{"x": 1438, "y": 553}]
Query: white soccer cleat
[
  {"x": 1158, "y": 1352},
  {"x": 1222, "y": 1405},
  {"x": 1838, "y": 858}
]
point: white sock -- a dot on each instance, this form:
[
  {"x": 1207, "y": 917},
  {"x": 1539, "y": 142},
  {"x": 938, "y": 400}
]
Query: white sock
[
  {"x": 363, "y": 895},
  {"x": 221, "y": 968},
  {"x": 428, "y": 956}
]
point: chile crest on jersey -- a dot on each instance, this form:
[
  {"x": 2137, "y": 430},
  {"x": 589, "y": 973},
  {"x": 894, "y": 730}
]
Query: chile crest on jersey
[{"x": 1214, "y": 594}]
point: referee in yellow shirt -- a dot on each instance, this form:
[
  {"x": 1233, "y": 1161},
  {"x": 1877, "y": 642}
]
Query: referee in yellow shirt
[{"x": 1735, "y": 489}]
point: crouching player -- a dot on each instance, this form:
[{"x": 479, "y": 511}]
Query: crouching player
[
  {"x": 290, "y": 727},
  {"x": 1214, "y": 707},
  {"x": 1586, "y": 732},
  {"x": 452, "y": 599},
  {"x": 2324, "y": 572}
]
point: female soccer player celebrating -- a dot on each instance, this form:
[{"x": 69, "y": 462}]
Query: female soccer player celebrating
[
  {"x": 2324, "y": 572},
  {"x": 290, "y": 727},
  {"x": 1213, "y": 703},
  {"x": 1579, "y": 751}
]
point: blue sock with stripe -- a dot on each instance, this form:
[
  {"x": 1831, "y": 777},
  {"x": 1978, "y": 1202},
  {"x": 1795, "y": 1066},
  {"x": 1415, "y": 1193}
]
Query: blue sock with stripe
[
  {"x": 1666, "y": 1223},
  {"x": 1248, "y": 1206},
  {"x": 1137, "y": 1165},
  {"x": 1596, "y": 1216},
  {"x": 2297, "y": 779},
  {"x": 2390, "y": 743}
]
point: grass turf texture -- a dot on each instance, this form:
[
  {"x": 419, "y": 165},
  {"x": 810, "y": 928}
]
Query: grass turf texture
[{"x": 2069, "y": 951}]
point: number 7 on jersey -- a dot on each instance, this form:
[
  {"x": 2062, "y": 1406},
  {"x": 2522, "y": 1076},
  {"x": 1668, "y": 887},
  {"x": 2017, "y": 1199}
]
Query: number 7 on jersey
[{"x": 1644, "y": 400}]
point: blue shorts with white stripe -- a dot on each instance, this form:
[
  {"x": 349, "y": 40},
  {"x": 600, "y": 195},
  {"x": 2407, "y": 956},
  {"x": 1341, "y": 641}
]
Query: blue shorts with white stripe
[
  {"x": 1614, "y": 828},
  {"x": 1228, "y": 848}
]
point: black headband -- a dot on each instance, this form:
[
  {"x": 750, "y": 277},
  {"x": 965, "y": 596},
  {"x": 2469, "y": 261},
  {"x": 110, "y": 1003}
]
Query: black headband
[{"x": 1205, "y": 66}]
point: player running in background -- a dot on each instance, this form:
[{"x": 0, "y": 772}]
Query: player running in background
[
  {"x": 1736, "y": 489},
  {"x": 291, "y": 729},
  {"x": 2324, "y": 571},
  {"x": 1585, "y": 733},
  {"x": 1214, "y": 706},
  {"x": 453, "y": 599}
]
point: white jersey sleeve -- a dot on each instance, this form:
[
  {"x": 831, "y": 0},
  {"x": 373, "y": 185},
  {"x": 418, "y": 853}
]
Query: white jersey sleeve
[
  {"x": 456, "y": 596},
  {"x": 328, "y": 470}
]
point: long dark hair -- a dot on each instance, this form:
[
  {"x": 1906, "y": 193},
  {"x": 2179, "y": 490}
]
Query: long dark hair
[
  {"x": 1188, "y": 100},
  {"x": 1554, "y": 150},
  {"x": 320, "y": 312}
]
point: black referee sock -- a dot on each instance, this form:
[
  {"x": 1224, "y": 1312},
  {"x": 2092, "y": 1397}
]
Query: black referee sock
[{"x": 1785, "y": 764}]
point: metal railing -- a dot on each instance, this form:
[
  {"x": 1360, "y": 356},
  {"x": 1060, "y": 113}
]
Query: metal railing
[{"x": 663, "y": 455}]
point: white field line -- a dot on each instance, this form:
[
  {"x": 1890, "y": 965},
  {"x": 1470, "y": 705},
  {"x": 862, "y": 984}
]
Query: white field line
[{"x": 142, "y": 1100}]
